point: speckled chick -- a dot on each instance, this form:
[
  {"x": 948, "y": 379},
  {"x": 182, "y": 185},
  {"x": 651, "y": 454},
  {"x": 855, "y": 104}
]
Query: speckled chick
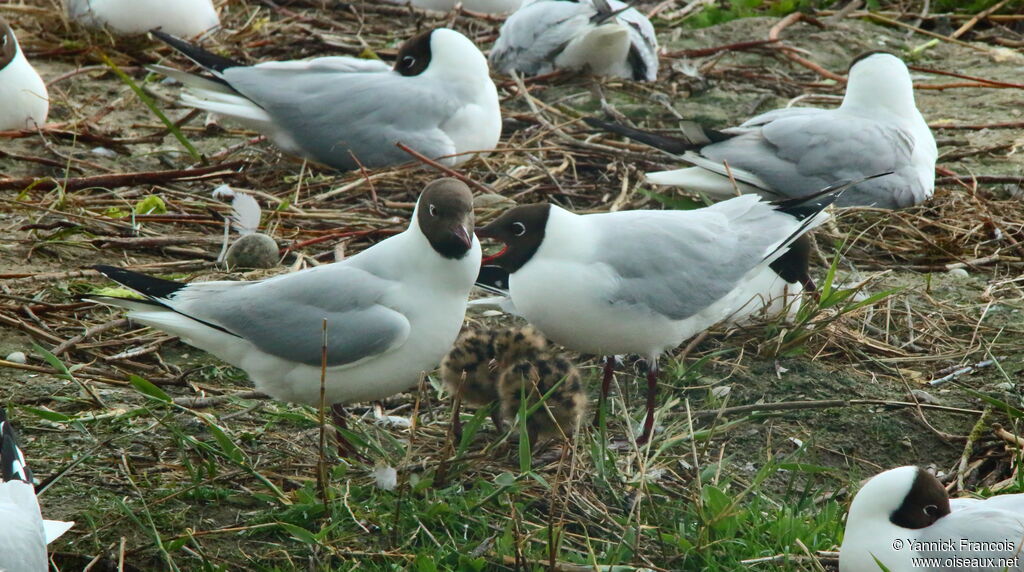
[
  {"x": 472, "y": 356},
  {"x": 528, "y": 367}
]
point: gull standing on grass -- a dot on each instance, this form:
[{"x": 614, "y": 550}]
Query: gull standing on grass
[
  {"x": 347, "y": 112},
  {"x": 23, "y": 532},
  {"x": 179, "y": 17},
  {"x": 903, "y": 519},
  {"x": 393, "y": 310},
  {"x": 642, "y": 282},
  {"x": 608, "y": 37},
  {"x": 24, "y": 102},
  {"x": 795, "y": 151}
]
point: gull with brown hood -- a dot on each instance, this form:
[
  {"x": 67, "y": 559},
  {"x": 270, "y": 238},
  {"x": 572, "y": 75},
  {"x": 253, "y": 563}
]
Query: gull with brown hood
[
  {"x": 642, "y": 282},
  {"x": 903, "y": 519},
  {"x": 795, "y": 151},
  {"x": 392, "y": 311},
  {"x": 24, "y": 101},
  {"x": 438, "y": 99}
]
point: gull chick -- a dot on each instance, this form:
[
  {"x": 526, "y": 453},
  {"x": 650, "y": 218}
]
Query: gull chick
[
  {"x": 346, "y": 112},
  {"x": 795, "y": 151},
  {"x": 503, "y": 365},
  {"x": 606, "y": 37},
  {"x": 392, "y": 311},
  {"x": 533, "y": 371},
  {"x": 24, "y": 101},
  {"x": 642, "y": 282},
  {"x": 904, "y": 519},
  {"x": 23, "y": 532},
  {"x": 179, "y": 17}
]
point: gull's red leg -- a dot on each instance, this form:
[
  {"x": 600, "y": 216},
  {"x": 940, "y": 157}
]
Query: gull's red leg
[
  {"x": 652, "y": 394},
  {"x": 606, "y": 384}
]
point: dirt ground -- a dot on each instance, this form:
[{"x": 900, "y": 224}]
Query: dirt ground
[{"x": 956, "y": 262}]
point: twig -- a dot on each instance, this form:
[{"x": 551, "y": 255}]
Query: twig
[
  {"x": 773, "y": 35},
  {"x": 444, "y": 169},
  {"x": 824, "y": 404},
  {"x": 224, "y": 171},
  {"x": 961, "y": 371}
]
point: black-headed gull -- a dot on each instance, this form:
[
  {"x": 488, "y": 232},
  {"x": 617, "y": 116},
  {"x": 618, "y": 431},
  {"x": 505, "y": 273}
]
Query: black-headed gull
[
  {"x": 344, "y": 112},
  {"x": 24, "y": 533},
  {"x": 606, "y": 37},
  {"x": 775, "y": 291},
  {"x": 642, "y": 282},
  {"x": 795, "y": 151},
  {"x": 903, "y": 519},
  {"x": 181, "y": 17},
  {"x": 24, "y": 102},
  {"x": 392, "y": 311}
]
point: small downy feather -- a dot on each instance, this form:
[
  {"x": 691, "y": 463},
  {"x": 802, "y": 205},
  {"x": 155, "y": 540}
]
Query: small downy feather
[{"x": 245, "y": 213}]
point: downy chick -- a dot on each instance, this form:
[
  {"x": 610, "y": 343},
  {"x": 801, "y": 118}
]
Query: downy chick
[{"x": 529, "y": 368}]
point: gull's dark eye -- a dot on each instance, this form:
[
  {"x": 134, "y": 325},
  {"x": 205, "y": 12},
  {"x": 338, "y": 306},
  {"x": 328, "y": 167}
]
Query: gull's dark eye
[
  {"x": 408, "y": 61},
  {"x": 931, "y": 510},
  {"x": 433, "y": 210},
  {"x": 518, "y": 228}
]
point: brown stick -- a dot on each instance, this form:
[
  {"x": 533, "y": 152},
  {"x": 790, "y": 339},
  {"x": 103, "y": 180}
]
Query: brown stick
[
  {"x": 225, "y": 170},
  {"x": 967, "y": 77},
  {"x": 773, "y": 35},
  {"x": 977, "y": 18},
  {"x": 702, "y": 52},
  {"x": 444, "y": 169}
]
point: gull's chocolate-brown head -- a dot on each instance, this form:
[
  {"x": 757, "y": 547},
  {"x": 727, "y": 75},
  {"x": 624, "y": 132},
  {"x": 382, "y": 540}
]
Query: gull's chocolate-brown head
[
  {"x": 8, "y": 44},
  {"x": 522, "y": 230},
  {"x": 414, "y": 55},
  {"x": 926, "y": 503},
  {"x": 445, "y": 216}
]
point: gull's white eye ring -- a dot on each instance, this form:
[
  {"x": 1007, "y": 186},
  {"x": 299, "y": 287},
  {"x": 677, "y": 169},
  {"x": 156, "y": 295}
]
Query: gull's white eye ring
[{"x": 518, "y": 228}]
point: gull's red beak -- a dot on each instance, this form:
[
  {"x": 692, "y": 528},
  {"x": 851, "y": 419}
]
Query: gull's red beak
[
  {"x": 493, "y": 257},
  {"x": 463, "y": 235}
]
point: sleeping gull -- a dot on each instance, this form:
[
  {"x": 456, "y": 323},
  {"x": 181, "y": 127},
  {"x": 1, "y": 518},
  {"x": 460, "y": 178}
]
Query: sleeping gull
[
  {"x": 605, "y": 36},
  {"x": 23, "y": 532},
  {"x": 903, "y": 519},
  {"x": 392, "y": 311},
  {"x": 642, "y": 282},
  {"x": 24, "y": 102},
  {"x": 179, "y": 17},
  {"x": 344, "y": 112},
  {"x": 795, "y": 151}
]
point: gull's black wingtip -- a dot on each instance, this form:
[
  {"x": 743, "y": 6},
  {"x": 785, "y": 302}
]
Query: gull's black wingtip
[
  {"x": 12, "y": 462},
  {"x": 141, "y": 283},
  {"x": 208, "y": 60},
  {"x": 804, "y": 207},
  {"x": 694, "y": 135}
]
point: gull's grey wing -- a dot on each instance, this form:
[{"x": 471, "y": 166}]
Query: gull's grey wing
[
  {"x": 691, "y": 259},
  {"x": 643, "y": 51},
  {"x": 346, "y": 64},
  {"x": 283, "y": 316},
  {"x": 978, "y": 524},
  {"x": 330, "y": 113},
  {"x": 799, "y": 154},
  {"x": 536, "y": 33}
]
